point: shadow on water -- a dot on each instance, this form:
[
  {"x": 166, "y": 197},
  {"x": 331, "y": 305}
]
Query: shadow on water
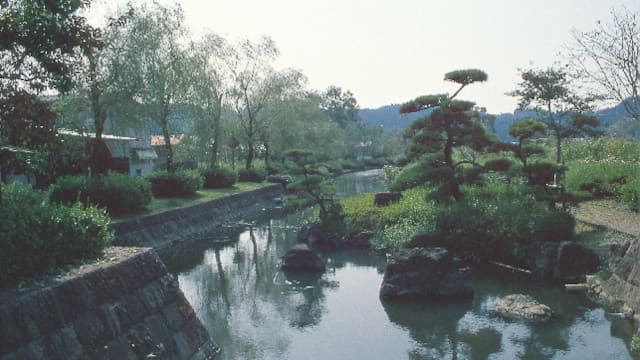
[{"x": 254, "y": 311}]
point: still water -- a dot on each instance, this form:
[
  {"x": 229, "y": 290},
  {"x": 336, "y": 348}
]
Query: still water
[{"x": 254, "y": 311}]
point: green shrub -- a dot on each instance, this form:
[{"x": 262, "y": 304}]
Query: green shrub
[
  {"x": 254, "y": 174},
  {"x": 499, "y": 222},
  {"x": 276, "y": 168},
  {"x": 601, "y": 178},
  {"x": 180, "y": 183},
  {"x": 541, "y": 173},
  {"x": 281, "y": 179},
  {"x": 220, "y": 177},
  {"x": 37, "y": 235},
  {"x": 634, "y": 346},
  {"x": 334, "y": 166},
  {"x": 118, "y": 193},
  {"x": 630, "y": 194}
]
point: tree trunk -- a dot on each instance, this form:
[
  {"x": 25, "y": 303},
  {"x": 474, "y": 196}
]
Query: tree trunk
[
  {"x": 164, "y": 121},
  {"x": 99, "y": 118},
  {"x": 266, "y": 155},
  {"x": 249, "y": 155},
  {"x": 558, "y": 149}
]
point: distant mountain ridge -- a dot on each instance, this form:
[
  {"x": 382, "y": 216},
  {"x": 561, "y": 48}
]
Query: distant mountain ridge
[{"x": 389, "y": 118}]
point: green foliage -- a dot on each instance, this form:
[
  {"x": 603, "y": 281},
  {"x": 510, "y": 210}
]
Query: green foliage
[
  {"x": 281, "y": 179},
  {"x": 360, "y": 212},
  {"x": 219, "y": 177},
  {"x": 541, "y": 173},
  {"x": 254, "y": 174},
  {"x": 601, "y": 178},
  {"x": 36, "y": 235},
  {"x": 499, "y": 221},
  {"x": 630, "y": 194},
  {"x": 449, "y": 127},
  {"x": 635, "y": 345},
  {"x": 389, "y": 174},
  {"x": 411, "y": 176},
  {"x": 603, "y": 149},
  {"x": 180, "y": 183},
  {"x": 118, "y": 193}
]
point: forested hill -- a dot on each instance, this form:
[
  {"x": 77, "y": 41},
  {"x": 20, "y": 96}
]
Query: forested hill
[{"x": 390, "y": 119}]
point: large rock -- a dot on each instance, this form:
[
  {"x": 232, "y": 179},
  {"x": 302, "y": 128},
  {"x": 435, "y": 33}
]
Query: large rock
[
  {"x": 314, "y": 235},
  {"x": 301, "y": 258},
  {"x": 523, "y": 307},
  {"x": 424, "y": 273},
  {"x": 566, "y": 262},
  {"x": 386, "y": 198},
  {"x": 574, "y": 263}
]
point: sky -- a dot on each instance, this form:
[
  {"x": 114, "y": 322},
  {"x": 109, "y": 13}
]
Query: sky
[{"x": 393, "y": 51}]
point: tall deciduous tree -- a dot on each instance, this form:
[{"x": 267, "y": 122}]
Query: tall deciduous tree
[
  {"x": 451, "y": 125},
  {"x": 565, "y": 114},
  {"x": 38, "y": 40},
  {"x": 607, "y": 59},
  {"x": 341, "y": 106},
  {"x": 157, "y": 52},
  {"x": 209, "y": 86}
]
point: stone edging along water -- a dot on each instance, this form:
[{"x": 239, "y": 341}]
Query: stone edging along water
[
  {"x": 183, "y": 226},
  {"x": 128, "y": 306}
]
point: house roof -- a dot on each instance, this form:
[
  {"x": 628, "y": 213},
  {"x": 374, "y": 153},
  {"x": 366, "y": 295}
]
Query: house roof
[
  {"x": 158, "y": 140},
  {"x": 93, "y": 135}
]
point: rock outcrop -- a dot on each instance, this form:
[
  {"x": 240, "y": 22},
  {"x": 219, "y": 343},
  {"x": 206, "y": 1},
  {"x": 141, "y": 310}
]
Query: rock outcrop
[
  {"x": 523, "y": 307},
  {"x": 314, "y": 235},
  {"x": 624, "y": 284},
  {"x": 565, "y": 262},
  {"x": 301, "y": 258},
  {"x": 425, "y": 273},
  {"x": 131, "y": 308}
]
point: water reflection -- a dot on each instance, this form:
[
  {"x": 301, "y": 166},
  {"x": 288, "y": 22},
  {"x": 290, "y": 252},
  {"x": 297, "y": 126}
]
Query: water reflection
[{"x": 254, "y": 311}]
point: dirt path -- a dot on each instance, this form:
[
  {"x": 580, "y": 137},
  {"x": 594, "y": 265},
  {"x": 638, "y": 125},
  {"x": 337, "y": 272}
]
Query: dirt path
[{"x": 609, "y": 213}]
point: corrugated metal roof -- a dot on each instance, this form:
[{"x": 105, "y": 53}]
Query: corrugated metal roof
[{"x": 93, "y": 135}]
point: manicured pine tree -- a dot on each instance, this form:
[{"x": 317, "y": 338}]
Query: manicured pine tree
[{"x": 452, "y": 124}]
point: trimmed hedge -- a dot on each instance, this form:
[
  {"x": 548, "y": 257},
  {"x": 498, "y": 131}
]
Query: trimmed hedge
[
  {"x": 221, "y": 177},
  {"x": 179, "y": 183},
  {"x": 118, "y": 193},
  {"x": 37, "y": 235},
  {"x": 254, "y": 174}
]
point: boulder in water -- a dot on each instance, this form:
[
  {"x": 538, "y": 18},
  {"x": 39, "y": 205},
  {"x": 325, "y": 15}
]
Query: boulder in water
[
  {"x": 424, "y": 273},
  {"x": 523, "y": 307},
  {"x": 301, "y": 258}
]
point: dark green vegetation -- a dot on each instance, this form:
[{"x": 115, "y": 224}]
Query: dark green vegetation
[
  {"x": 177, "y": 183},
  {"x": 605, "y": 168},
  {"x": 37, "y": 235},
  {"x": 221, "y": 177},
  {"x": 117, "y": 193}
]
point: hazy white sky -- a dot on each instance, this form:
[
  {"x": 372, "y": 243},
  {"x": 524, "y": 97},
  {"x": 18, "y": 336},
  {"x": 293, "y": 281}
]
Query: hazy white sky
[{"x": 393, "y": 51}]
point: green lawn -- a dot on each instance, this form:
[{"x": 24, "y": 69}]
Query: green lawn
[{"x": 158, "y": 205}]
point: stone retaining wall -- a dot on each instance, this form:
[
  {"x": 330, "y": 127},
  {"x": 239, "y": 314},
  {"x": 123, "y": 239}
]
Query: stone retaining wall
[
  {"x": 624, "y": 283},
  {"x": 164, "y": 230},
  {"x": 131, "y": 308}
]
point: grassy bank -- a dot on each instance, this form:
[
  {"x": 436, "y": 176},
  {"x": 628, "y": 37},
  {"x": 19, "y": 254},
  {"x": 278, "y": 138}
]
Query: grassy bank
[{"x": 158, "y": 205}]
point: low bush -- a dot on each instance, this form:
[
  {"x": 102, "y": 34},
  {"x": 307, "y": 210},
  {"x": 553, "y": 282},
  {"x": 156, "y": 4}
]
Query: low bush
[
  {"x": 281, "y": 179},
  {"x": 180, "y": 183},
  {"x": 37, "y": 235},
  {"x": 118, "y": 193},
  {"x": 254, "y": 174},
  {"x": 496, "y": 222},
  {"x": 630, "y": 194},
  {"x": 220, "y": 177},
  {"x": 601, "y": 178}
]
